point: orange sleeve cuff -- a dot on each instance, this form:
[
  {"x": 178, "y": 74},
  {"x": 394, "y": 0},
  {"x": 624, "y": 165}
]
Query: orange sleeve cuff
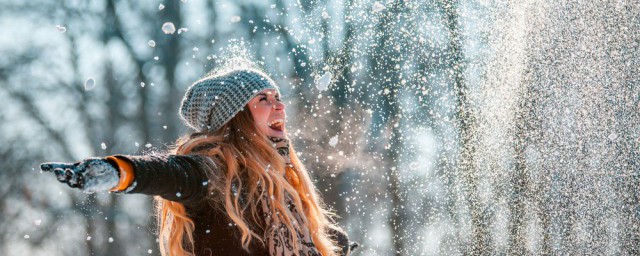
[{"x": 126, "y": 173}]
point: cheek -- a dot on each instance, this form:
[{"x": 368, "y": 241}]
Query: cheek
[{"x": 260, "y": 114}]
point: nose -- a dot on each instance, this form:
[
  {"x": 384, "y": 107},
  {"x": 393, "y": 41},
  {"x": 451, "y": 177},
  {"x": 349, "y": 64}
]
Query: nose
[{"x": 278, "y": 105}]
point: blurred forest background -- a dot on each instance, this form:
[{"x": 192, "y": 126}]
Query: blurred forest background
[{"x": 431, "y": 127}]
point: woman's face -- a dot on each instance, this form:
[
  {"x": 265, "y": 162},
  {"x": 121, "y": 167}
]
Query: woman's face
[{"x": 268, "y": 113}]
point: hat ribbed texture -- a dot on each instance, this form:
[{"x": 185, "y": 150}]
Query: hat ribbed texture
[{"x": 212, "y": 101}]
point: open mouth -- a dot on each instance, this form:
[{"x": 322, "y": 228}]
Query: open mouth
[{"x": 277, "y": 125}]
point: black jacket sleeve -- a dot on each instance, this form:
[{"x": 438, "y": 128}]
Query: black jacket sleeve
[{"x": 180, "y": 178}]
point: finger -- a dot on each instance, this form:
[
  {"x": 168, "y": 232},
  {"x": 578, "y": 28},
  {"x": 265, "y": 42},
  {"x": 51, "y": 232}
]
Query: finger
[
  {"x": 60, "y": 174},
  {"x": 73, "y": 185},
  {"x": 68, "y": 174},
  {"x": 47, "y": 167},
  {"x": 71, "y": 177},
  {"x": 80, "y": 181},
  {"x": 77, "y": 177},
  {"x": 50, "y": 166}
]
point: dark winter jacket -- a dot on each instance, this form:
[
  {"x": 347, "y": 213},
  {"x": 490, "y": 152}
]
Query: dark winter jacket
[{"x": 182, "y": 178}]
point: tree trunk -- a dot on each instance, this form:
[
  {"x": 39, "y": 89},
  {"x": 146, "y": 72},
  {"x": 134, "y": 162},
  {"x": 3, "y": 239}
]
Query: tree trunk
[
  {"x": 384, "y": 64},
  {"x": 466, "y": 126}
]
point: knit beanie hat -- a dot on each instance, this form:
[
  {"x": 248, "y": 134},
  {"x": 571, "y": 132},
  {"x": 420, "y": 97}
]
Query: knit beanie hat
[{"x": 213, "y": 100}]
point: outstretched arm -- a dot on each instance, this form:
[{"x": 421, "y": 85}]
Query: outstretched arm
[{"x": 181, "y": 178}]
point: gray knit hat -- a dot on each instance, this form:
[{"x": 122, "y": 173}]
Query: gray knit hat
[{"x": 213, "y": 100}]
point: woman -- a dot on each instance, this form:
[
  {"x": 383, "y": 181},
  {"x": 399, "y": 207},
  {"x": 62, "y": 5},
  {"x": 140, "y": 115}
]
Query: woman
[{"x": 230, "y": 188}]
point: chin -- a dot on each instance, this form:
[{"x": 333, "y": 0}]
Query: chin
[
  {"x": 277, "y": 134},
  {"x": 276, "y": 128}
]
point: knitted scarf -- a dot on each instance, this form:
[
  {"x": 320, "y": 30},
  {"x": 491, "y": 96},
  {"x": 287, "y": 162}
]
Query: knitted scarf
[{"x": 279, "y": 239}]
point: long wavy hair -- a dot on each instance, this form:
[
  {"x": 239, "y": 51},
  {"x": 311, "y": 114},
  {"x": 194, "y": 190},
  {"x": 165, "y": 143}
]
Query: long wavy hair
[{"x": 246, "y": 162}]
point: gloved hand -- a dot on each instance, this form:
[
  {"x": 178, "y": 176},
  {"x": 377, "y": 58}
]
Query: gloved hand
[{"x": 89, "y": 175}]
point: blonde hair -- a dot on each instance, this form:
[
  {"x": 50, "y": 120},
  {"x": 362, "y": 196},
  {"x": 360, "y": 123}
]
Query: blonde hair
[{"x": 248, "y": 162}]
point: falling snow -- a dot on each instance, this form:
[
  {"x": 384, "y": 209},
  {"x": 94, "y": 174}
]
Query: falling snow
[
  {"x": 430, "y": 127},
  {"x": 89, "y": 84},
  {"x": 168, "y": 28},
  {"x": 377, "y": 7},
  {"x": 61, "y": 29},
  {"x": 324, "y": 81},
  {"x": 333, "y": 141}
]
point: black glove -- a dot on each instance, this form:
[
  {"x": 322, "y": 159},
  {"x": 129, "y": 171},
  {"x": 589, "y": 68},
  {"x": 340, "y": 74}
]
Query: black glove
[{"x": 89, "y": 175}]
